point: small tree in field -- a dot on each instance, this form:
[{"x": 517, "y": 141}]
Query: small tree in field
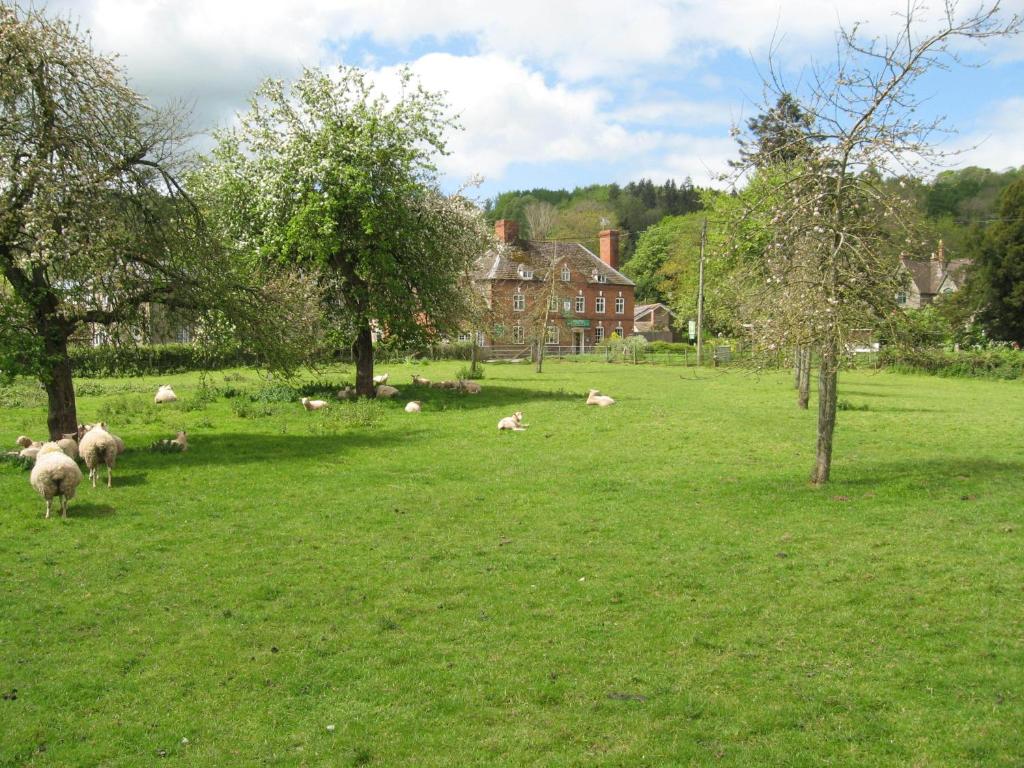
[
  {"x": 330, "y": 175},
  {"x": 93, "y": 222},
  {"x": 827, "y": 261}
]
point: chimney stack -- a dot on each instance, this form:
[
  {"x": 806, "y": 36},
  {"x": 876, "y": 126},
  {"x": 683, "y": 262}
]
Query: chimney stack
[
  {"x": 609, "y": 247},
  {"x": 507, "y": 231}
]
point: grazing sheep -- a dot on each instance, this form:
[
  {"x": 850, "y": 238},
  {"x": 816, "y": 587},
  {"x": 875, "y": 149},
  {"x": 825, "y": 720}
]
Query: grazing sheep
[
  {"x": 513, "y": 422},
  {"x": 420, "y": 381},
  {"x": 382, "y": 379},
  {"x": 469, "y": 387},
  {"x": 69, "y": 446},
  {"x": 165, "y": 394},
  {"x": 55, "y": 475},
  {"x": 347, "y": 393},
  {"x": 96, "y": 447},
  {"x": 596, "y": 398},
  {"x": 313, "y": 405},
  {"x": 413, "y": 407},
  {"x": 385, "y": 390}
]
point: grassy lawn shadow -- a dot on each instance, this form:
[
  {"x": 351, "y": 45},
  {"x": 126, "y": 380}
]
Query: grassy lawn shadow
[
  {"x": 89, "y": 509},
  {"x": 489, "y": 397},
  {"x": 939, "y": 470}
]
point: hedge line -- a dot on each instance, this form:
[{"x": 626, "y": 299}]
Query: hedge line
[
  {"x": 153, "y": 359},
  {"x": 977, "y": 364}
]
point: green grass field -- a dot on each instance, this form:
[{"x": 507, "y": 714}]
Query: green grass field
[{"x": 649, "y": 584}]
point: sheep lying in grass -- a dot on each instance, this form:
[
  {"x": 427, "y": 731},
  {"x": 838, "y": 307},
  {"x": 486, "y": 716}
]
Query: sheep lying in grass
[
  {"x": 165, "y": 394},
  {"x": 413, "y": 407},
  {"x": 96, "y": 447},
  {"x": 313, "y": 405},
  {"x": 178, "y": 445},
  {"x": 420, "y": 381},
  {"x": 445, "y": 385},
  {"x": 513, "y": 422},
  {"x": 382, "y": 379},
  {"x": 469, "y": 387},
  {"x": 27, "y": 442},
  {"x": 596, "y": 398},
  {"x": 346, "y": 393},
  {"x": 385, "y": 390},
  {"x": 55, "y": 475},
  {"x": 30, "y": 453}
]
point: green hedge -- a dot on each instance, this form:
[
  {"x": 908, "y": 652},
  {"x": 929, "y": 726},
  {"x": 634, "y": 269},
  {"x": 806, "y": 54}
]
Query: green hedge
[
  {"x": 978, "y": 364},
  {"x": 669, "y": 346},
  {"x": 152, "y": 359}
]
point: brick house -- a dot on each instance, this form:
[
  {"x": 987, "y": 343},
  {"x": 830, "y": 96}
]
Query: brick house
[
  {"x": 577, "y": 297},
  {"x": 654, "y": 322}
]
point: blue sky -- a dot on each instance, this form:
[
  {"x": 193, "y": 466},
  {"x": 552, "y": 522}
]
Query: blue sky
[{"x": 552, "y": 93}]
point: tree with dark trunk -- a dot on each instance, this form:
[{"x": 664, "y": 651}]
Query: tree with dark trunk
[{"x": 330, "y": 175}]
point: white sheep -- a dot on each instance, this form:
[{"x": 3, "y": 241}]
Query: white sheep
[
  {"x": 513, "y": 422},
  {"x": 313, "y": 405},
  {"x": 413, "y": 407},
  {"x": 178, "y": 445},
  {"x": 385, "y": 390},
  {"x": 181, "y": 440},
  {"x": 445, "y": 385},
  {"x": 55, "y": 475},
  {"x": 29, "y": 453},
  {"x": 346, "y": 393},
  {"x": 83, "y": 428},
  {"x": 596, "y": 398},
  {"x": 420, "y": 381},
  {"x": 27, "y": 442},
  {"x": 469, "y": 387},
  {"x": 69, "y": 445},
  {"x": 382, "y": 379},
  {"x": 96, "y": 447},
  {"x": 165, "y": 394}
]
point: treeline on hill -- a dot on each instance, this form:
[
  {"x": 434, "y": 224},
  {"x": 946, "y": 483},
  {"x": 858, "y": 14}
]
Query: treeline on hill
[{"x": 581, "y": 213}]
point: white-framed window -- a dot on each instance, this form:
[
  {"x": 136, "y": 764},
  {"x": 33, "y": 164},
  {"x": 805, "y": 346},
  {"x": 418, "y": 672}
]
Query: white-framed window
[
  {"x": 581, "y": 304},
  {"x": 479, "y": 338},
  {"x": 601, "y": 277},
  {"x": 599, "y": 334},
  {"x": 518, "y": 302},
  {"x": 517, "y": 334},
  {"x": 184, "y": 335},
  {"x": 567, "y": 306},
  {"x": 552, "y": 334},
  {"x": 525, "y": 272},
  {"x": 566, "y": 274},
  {"x": 620, "y": 333},
  {"x": 464, "y": 336},
  {"x": 620, "y": 305},
  {"x": 553, "y": 304},
  {"x": 599, "y": 305},
  {"x": 901, "y": 297}
]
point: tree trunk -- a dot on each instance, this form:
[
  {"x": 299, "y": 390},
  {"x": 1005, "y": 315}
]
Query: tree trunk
[
  {"x": 62, "y": 416},
  {"x": 363, "y": 349},
  {"x": 804, "y": 383},
  {"x": 827, "y": 381},
  {"x": 473, "y": 365},
  {"x": 797, "y": 362},
  {"x": 539, "y": 367}
]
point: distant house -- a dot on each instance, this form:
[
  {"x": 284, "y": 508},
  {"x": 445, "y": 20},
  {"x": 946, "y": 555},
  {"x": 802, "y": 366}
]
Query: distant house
[
  {"x": 654, "y": 322},
  {"x": 583, "y": 297},
  {"x": 931, "y": 278}
]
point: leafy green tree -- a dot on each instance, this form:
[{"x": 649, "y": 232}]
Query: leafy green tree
[
  {"x": 996, "y": 282},
  {"x": 94, "y": 224},
  {"x": 781, "y": 134},
  {"x": 331, "y": 176}
]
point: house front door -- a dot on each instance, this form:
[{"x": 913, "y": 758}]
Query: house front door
[{"x": 578, "y": 341}]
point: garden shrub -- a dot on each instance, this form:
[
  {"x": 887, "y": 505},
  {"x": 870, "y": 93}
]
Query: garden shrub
[{"x": 993, "y": 363}]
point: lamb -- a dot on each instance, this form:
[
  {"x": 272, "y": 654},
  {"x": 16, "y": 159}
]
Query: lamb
[
  {"x": 30, "y": 453},
  {"x": 382, "y": 379},
  {"x": 96, "y": 447},
  {"x": 413, "y": 407},
  {"x": 27, "y": 442},
  {"x": 313, "y": 405},
  {"x": 420, "y": 381},
  {"x": 384, "y": 390},
  {"x": 596, "y": 398},
  {"x": 69, "y": 445},
  {"x": 469, "y": 387},
  {"x": 165, "y": 394},
  {"x": 346, "y": 393},
  {"x": 55, "y": 475},
  {"x": 513, "y": 422},
  {"x": 178, "y": 445}
]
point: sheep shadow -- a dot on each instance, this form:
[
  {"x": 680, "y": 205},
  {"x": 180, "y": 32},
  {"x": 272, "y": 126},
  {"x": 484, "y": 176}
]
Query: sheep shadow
[
  {"x": 88, "y": 509},
  {"x": 490, "y": 397},
  {"x": 135, "y": 478}
]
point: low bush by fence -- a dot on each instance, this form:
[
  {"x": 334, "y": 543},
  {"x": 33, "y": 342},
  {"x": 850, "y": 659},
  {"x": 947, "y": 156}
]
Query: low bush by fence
[
  {"x": 150, "y": 360},
  {"x": 978, "y": 364}
]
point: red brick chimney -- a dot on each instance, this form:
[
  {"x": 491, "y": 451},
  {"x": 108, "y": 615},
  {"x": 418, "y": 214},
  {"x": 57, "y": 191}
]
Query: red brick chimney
[
  {"x": 609, "y": 247},
  {"x": 506, "y": 230}
]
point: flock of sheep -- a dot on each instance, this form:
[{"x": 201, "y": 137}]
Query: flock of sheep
[{"x": 56, "y": 473}]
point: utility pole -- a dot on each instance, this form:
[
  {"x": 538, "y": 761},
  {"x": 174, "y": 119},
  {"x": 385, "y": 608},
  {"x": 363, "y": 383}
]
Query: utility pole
[{"x": 700, "y": 296}]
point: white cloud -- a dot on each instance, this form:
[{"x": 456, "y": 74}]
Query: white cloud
[{"x": 998, "y": 141}]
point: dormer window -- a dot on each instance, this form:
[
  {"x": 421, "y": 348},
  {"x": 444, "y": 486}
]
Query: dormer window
[
  {"x": 601, "y": 277},
  {"x": 566, "y": 274},
  {"x": 525, "y": 272}
]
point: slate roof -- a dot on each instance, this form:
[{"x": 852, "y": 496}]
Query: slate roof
[
  {"x": 540, "y": 256},
  {"x": 642, "y": 309},
  {"x": 929, "y": 275}
]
